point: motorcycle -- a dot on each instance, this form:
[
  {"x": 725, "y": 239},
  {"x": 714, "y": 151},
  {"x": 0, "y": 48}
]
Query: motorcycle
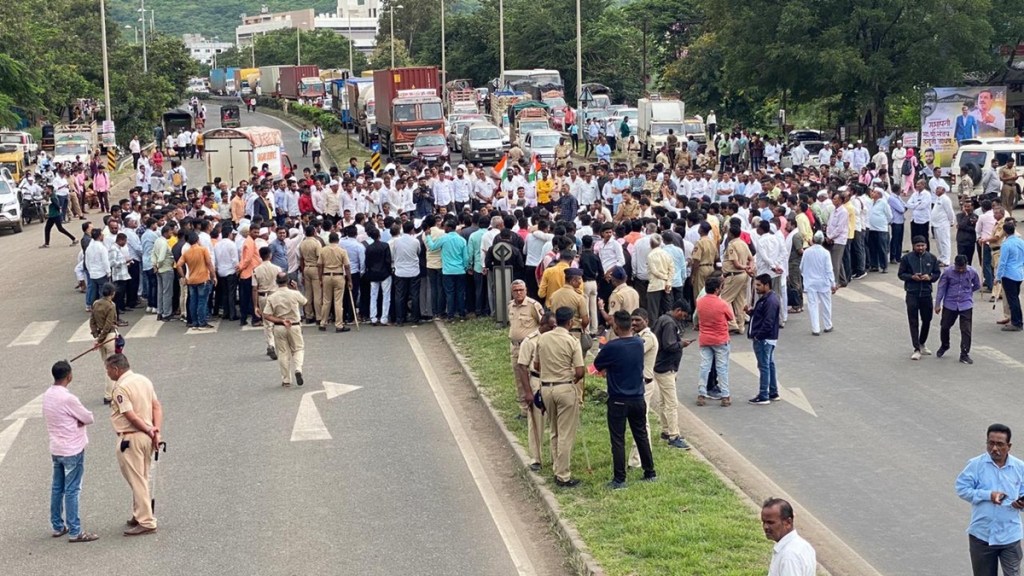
[{"x": 32, "y": 208}]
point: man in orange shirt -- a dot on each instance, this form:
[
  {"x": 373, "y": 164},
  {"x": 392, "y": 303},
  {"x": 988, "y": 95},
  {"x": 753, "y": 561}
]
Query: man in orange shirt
[
  {"x": 238, "y": 205},
  {"x": 713, "y": 318},
  {"x": 248, "y": 262},
  {"x": 196, "y": 266}
]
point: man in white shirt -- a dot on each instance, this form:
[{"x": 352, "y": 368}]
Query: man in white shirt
[
  {"x": 97, "y": 267},
  {"x": 799, "y": 155},
  {"x": 819, "y": 283},
  {"x": 942, "y": 219},
  {"x": 824, "y": 155},
  {"x": 920, "y": 206},
  {"x": 859, "y": 157},
  {"x": 791, "y": 555},
  {"x": 136, "y": 149}
]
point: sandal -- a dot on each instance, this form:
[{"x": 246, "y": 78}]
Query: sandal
[
  {"x": 84, "y": 537},
  {"x": 59, "y": 533}
]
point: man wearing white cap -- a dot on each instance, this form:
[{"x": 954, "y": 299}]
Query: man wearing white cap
[
  {"x": 819, "y": 283},
  {"x": 860, "y": 156},
  {"x": 942, "y": 219}
]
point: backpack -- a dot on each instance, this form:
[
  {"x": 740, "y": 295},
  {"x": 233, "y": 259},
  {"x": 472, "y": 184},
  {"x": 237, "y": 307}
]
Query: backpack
[
  {"x": 176, "y": 179},
  {"x": 907, "y": 169}
]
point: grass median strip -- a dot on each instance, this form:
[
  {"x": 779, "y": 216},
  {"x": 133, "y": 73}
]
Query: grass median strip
[{"x": 687, "y": 523}]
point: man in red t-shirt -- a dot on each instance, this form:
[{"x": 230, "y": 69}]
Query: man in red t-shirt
[{"x": 713, "y": 317}]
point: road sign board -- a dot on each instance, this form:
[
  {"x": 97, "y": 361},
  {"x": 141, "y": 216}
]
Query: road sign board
[
  {"x": 375, "y": 147},
  {"x": 502, "y": 252}
]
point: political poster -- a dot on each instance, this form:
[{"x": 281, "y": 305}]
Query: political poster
[{"x": 951, "y": 115}]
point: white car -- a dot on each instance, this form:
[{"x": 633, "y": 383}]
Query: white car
[
  {"x": 974, "y": 156},
  {"x": 542, "y": 143},
  {"x": 482, "y": 142},
  {"x": 10, "y": 206}
]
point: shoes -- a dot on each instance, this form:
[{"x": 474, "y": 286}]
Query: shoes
[
  {"x": 139, "y": 531},
  {"x": 272, "y": 353},
  {"x": 59, "y": 533},
  {"x": 1011, "y": 328},
  {"x": 925, "y": 351},
  {"x": 775, "y": 398},
  {"x": 815, "y": 333},
  {"x": 678, "y": 442},
  {"x": 84, "y": 537},
  {"x": 941, "y": 351},
  {"x": 859, "y": 276},
  {"x": 322, "y": 328},
  {"x": 131, "y": 523},
  {"x": 298, "y": 378},
  {"x": 701, "y": 400},
  {"x": 1003, "y": 322},
  {"x": 651, "y": 478},
  {"x": 916, "y": 355},
  {"x": 758, "y": 401},
  {"x": 343, "y": 329},
  {"x": 616, "y": 485},
  {"x": 827, "y": 330},
  {"x": 106, "y": 401},
  {"x": 570, "y": 483},
  {"x": 665, "y": 436},
  {"x": 207, "y": 325},
  {"x": 286, "y": 384},
  {"x": 966, "y": 359},
  {"x": 535, "y": 466},
  {"x": 726, "y": 402}
]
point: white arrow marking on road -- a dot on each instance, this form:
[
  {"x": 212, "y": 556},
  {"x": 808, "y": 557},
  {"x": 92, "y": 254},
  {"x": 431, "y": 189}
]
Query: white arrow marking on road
[
  {"x": 794, "y": 396},
  {"x": 33, "y": 409},
  {"x": 308, "y": 423},
  {"x": 8, "y": 436}
]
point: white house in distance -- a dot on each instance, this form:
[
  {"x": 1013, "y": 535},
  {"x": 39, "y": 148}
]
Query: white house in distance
[
  {"x": 204, "y": 49},
  {"x": 354, "y": 19}
]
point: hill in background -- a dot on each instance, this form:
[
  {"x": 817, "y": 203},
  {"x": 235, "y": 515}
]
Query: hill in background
[{"x": 207, "y": 17}]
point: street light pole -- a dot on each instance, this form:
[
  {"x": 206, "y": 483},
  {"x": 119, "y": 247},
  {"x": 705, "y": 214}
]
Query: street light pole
[
  {"x": 444, "y": 68},
  {"x": 298, "y": 46},
  {"x": 145, "y": 59},
  {"x": 351, "y": 44},
  {"x": 392, "y": 36},
  {"x": 252, "y": 50},
  {"x": 501, "y": 44},
  {"x": 106, "y": 65},
  {"x": 579, "y": 69}
]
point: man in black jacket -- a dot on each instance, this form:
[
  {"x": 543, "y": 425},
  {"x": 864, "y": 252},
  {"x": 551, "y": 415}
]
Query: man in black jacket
[
  {"x": 668, "y": 330},
  {"x": 919, "y": 269},
  {"x": 378, "y": 273}
]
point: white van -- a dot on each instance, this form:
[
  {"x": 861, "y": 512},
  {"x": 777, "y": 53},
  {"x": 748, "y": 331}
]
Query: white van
[{"x": 973, "y": 156}]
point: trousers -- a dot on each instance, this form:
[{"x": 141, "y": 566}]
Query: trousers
[
  {"x": 985, "y": 558},
  {"x": 666, "y": 403},
  {"x": 407, "y": 299},
  {"x": 65, "y": 491},
  {"x": 942, "y": 243},
  {"x": 290, "y": 350},
  {"x": 563, "y": 409},
  {"x": 134, "y": 463},
  {"x": 635, "y": 413},
  {"x": 650, "y": 388},
  {"x": 313, "y": 292},
  {"x": 106, "y": 349},
  {"x": 719, "y": 357},
  {"x": 819, "y": 301},
  {"x": 165, "y": 293},
  {"x": 384, "y": 288},
  {"x": 919, "y": 314},
  {"x": 1011, "y": 296},
  {"x": 949, "y": 317},
  {"x": 333, "y": 293}
]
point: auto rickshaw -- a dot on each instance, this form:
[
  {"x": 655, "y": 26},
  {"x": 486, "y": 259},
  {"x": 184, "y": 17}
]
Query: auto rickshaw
[{"x": 229, "y": 117}]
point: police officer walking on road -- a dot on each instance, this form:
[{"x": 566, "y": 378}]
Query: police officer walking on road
[
  {"x": 560, "y": 365},
  {"x": 528, "y": 382},
  {"x": 282, "y": 311},
  {"x": 262, "y": 286},
  {"x": 103, "y": 326},
  {"x": 137, "y": 417},
  {"x": 524, "y": 317}
]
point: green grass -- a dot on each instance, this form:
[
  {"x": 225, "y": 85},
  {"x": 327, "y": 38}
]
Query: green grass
[{"x": 687, "y": 523}]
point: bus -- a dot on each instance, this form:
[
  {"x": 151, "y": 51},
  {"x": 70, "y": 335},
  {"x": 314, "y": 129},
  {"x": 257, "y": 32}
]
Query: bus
[{"x": 537, "y": 75}]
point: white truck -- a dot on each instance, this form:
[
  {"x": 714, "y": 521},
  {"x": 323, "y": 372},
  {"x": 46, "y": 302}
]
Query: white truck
[
  {"x": 655, "y": 118},
  {"x": 232, "y": 152},
  {"x": 74, "y": 142}
]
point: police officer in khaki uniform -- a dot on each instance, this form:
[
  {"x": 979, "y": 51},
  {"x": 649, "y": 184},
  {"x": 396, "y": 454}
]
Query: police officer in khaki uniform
[
  {"x": 562, "y": 153},
  {"x": 263, "y": 283},
  {"x": 524, "y": 315},
  {"x": 282, "y": 311},
  {"x": 137, "y": 417},
  {"x": 560, "y": 365},
  {"x": 309, "y": 255},
  {"x": 623, "y": 297},
  {"x": 335, "y": 273},
  {"x": 642, "y": 330},
  {"x": 570, "y": 296},
  {"x": 103, "y": 326},
  {"x": 528, "y": 383}
]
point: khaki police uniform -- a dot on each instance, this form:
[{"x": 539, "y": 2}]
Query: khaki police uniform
[
  {"x": 534, "y": 417},
  {"x": 103, "y": 326},
  {"x": 559, "y": 353},
  {"x": 335, "y": 262},
  {"x": 134, "y": 393},
  {"x": 562, "y": 153},
  {"x": 623, "y": 297},
  {"x": 650, "y": 386},
  {"x": 264, "y": 280},
  {"x": 309, "y": 250},
  {"x": 522, "y": 320},
  {"x": 568, "y": 297},
  {"x": 705, "y": 252},
  {"x": 285, "y": 303}
]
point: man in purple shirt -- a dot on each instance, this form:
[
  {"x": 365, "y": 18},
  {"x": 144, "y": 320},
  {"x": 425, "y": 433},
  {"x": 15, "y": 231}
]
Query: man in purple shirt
[
  {"x": 955, "y": 299},
  {"x": 66, "y": 420}
]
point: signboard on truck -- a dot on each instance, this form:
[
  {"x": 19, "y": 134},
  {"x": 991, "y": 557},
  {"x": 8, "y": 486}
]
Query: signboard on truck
[
  {"x": 232, "y": 152},
  {"x": 951, "y": 115}
]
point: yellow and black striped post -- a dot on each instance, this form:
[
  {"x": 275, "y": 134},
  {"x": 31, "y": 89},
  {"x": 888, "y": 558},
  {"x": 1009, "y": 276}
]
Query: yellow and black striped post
[
  {"x": 111, "y": 159},
  {"x": 375, "y": 156}
]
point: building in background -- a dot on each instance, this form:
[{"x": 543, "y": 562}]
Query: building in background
[
  {"x": 354, "y": 19},
  {"x": 203, "y": 49}
]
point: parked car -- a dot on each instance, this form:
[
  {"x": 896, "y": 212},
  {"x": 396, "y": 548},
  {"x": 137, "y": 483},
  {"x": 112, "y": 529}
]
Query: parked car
[
  {"x": 974, "y": 156},
  {"x": 25, "y": 143},
  {"x": 455, "y": 132},
  {"x": 482, "y": 142},
  {"x": 542, "y": 143},
  {"x": 430, "y": 148},
  {"x": 10, "y": 206}
]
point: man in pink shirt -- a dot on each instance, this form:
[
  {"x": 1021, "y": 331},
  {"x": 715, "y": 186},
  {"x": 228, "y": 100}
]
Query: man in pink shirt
[
  {"x": 713, "y": 317},
  {"x": 66, "y": 420}
]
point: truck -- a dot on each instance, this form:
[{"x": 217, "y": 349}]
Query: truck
[
  {"x": 230, "y": 86},
  {"x": 500, "y": 103},
  {"x": 408, "y": 104},
  {"x": 525, "y": 117},
  {"x": 361, "y": 106},
  {"x": 218, "y": 79},
  {"x": 74, "y": 142},
  {"x": 459, "y": 97},
  {"x": 270, "y": 76},
  {"x": 232, "y": 152},
  {"x": 301, "y": 82},
  {"x": 242, "y": 79},
  {"x": 655, "y": 118}
]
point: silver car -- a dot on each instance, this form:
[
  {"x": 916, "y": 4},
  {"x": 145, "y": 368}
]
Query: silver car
[
  {"x": 482, "y": 142},
  {"x": 542, "y": 143},
  {"x": 456, "y": 131}
]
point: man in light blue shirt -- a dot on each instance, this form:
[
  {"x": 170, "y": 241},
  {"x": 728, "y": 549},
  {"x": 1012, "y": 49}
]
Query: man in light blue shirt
[
  {"x": 994, "y": 483},
  {"x": 1010, "y": 274},
  {"x": 604, "y": 151},
  {"x": 454, "y": 264}
]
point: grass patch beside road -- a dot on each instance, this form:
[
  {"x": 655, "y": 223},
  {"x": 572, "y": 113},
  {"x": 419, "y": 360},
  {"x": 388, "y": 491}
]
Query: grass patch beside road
[
  {"x": 687, "y": 523},
  {"x": 335, "y": 144}
]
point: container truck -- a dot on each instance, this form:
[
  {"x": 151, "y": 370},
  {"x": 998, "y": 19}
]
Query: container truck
[
  {"x": 301, "y": 82},
  {"x": 655, "y": 118},
  {"x": 361, "y": 104},
  {"x": 230, "y": 87},
  {"x": 232, "y": 152},
  {"x": 408, "y": 104},
  {"x": 218, "y": 78},
  {"x": 242, "y": 77},
  {"x": 270, "y": 76}
]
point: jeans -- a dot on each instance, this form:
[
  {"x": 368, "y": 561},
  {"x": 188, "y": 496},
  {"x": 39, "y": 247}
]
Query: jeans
[
  {"x": 198, "y": 299},
  {"x": 437, "y": 298},
  {"x": 150, "y": 289},
  {"x": 245, "y": 303},
  {"x": 635, "y": 412},
  {"x": 455, "y": 295},
  {"x": 1011, "y": 292},
  {"x": 986, "y": 267},
  {"x": 67, "y": 485},
  {"x": 382, "y": 287},
  {"x": 93, "y": 287},
  {"x": 62, "y": 202},
  {"x": 986, "y": 558},
  {"x": 919, "y": 306},
  {"x": 165, "y": 293},
  {"x": 407, "y": 295},
  {"x": 896, "y": 243},
  {"x": 50, "y": 223},
  {"x": 765, "y": 354},
  {"x": 878, "y": 249},
  {"x": 719, "y": 356},
  {"x": 480, "y": 284}
]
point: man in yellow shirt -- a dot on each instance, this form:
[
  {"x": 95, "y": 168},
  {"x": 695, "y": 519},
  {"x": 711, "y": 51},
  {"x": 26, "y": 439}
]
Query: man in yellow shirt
[
  {"x": 554, "y": 276},
  {"x": 545, "y": 189}
]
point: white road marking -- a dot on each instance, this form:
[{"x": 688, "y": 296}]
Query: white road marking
[
  {"x": 748, "y": 361},
  {"x": 8, "y": 436},
  {"x": 32, "y": 409},
  {"x": 249, "y": 328},
  {"x": 501, "y": 521},
  {"x": 145, "y": 327},
  {"x": 999, "y": 357},
  {"x": 83, "y": 334},
  {"x": 215, "y": 322},
  {"x": 853, "y": 296},
  {"x": 890, "y": 289},
  {"x": 34, "y": 333},
  {"x": 308, "y": 423}
]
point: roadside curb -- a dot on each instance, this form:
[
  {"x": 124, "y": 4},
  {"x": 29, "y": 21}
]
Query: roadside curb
[{"x": 581, "y": 561}]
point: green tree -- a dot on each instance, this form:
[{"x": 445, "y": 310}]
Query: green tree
[
  {"x": 321, "y": 48},
  {"x": 381, "y": 56}
]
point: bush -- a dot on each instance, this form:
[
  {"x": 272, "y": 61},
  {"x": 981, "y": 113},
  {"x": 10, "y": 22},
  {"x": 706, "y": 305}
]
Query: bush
[{"x": 325, "y": 118}]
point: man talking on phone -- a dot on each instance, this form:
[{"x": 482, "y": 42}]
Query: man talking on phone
[{"x": 994, "y": 485}]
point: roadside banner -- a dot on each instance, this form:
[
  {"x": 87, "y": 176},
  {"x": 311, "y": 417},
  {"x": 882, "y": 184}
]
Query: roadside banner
[{"x": 951, "y": 115}]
